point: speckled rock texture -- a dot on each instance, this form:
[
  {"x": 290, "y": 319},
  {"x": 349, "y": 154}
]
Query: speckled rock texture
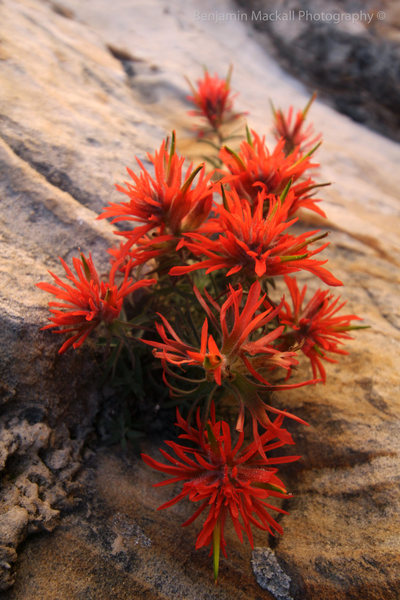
[
  {"x": 354, "y": 63},
  {"x": 83, "y": 89}
]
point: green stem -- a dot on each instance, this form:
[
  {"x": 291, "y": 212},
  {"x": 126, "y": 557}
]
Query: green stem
[
  {"x": 208, "y": 404},
  {"x": 216, "y": 548}
]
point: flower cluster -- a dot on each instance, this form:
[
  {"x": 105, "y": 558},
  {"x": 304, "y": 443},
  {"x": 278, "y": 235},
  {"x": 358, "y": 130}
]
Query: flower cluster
[
  {"x": 219, "y": 245},
  {"x": 238, "y": 362}
]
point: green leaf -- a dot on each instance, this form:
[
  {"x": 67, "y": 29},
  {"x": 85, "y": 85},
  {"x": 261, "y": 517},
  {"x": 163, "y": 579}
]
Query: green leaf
[
  {"x": 86, "y": 268},
  {"x": 189, "y": 180},
  {"x": 236, "y": 157},
  {"x": 285, "y": 191}
]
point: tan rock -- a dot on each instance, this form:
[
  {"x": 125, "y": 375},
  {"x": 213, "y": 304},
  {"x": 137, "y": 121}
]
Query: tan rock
[{"x": 83, "y": 89}]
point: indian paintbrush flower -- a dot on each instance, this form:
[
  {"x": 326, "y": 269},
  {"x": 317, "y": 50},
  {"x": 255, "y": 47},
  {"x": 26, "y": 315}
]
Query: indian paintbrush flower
[
  {"x": 256, "y": 169},
  {"x": 316, "y": 327},
  {"x": 226, "y": 480},
  {"x": 256, "y": 244},
  {"x": 237, "y": 357},
  {"x": 294, "y": 133},
  {"x": 166, "y": 204},
  {"x": 213, "y": 100},
  {"x": 88, "y": 302}
]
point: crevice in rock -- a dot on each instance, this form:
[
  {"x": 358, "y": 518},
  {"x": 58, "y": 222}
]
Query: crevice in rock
[
  {"x": 385, "y": 315},
  {"x": 57, "y": 177},
  {"x": 372, "y": 396},
  {"x": 63, "y": 11},
  {"x": 126, "y": 59},
  {"x": 374, "y": 244}
]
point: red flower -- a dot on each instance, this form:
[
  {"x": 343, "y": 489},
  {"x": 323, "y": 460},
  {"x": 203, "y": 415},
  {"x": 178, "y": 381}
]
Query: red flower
[
  {"x": 166, "y": 202},
  {"x": 317, "y": 328},
  {"x": 256, "y": 244},
  {"x": 88, "y": 301},
  {"x": 175, "y": 351},
  {"x": 213, "y": 100},
  {"x": 233, "y": 355},
  {"x": 227, "y": 481},
  {"x": 294, "y": 134},
  {"x": 236, "y": 361},
  {"x": 254, "y": 168}
]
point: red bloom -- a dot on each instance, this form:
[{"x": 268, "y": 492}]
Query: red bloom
[
  {"x": 256, "y": 244},
  {"x": 225, "y": 480},
  {"x": 233, "y": 355},
  {"x": 294, "y": 134},
  {"x": 213, "y": 100},
  {"x": 166, "y": 202},
  {"x": 316, "y": 327},
  {"x": 236, "y": 361},
  {"x": 254, "y": 168},
  {"x": 87, "y": 302}
]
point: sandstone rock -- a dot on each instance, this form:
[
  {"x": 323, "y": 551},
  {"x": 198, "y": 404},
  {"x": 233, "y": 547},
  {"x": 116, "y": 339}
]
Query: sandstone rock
[
  {"x": 12, "y": 524},
  {"x": 115, "y": 544},
  {"x": 353, "y": 63},
  {"x": 54, "y": 168},
  {"x": 32, "y": 492},
  {"x": 84, "y": 89}
]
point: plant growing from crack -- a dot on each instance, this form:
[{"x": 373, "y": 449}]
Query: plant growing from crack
[{"x": 195, "y": 284}]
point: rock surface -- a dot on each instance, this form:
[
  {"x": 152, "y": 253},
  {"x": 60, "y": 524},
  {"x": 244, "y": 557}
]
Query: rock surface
[
  {"x": 84, "y": 89},
  {"x": 116, "y": 545},
  {"x": 348, "y": 50},
  {"x": 269, "y": 575}
]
